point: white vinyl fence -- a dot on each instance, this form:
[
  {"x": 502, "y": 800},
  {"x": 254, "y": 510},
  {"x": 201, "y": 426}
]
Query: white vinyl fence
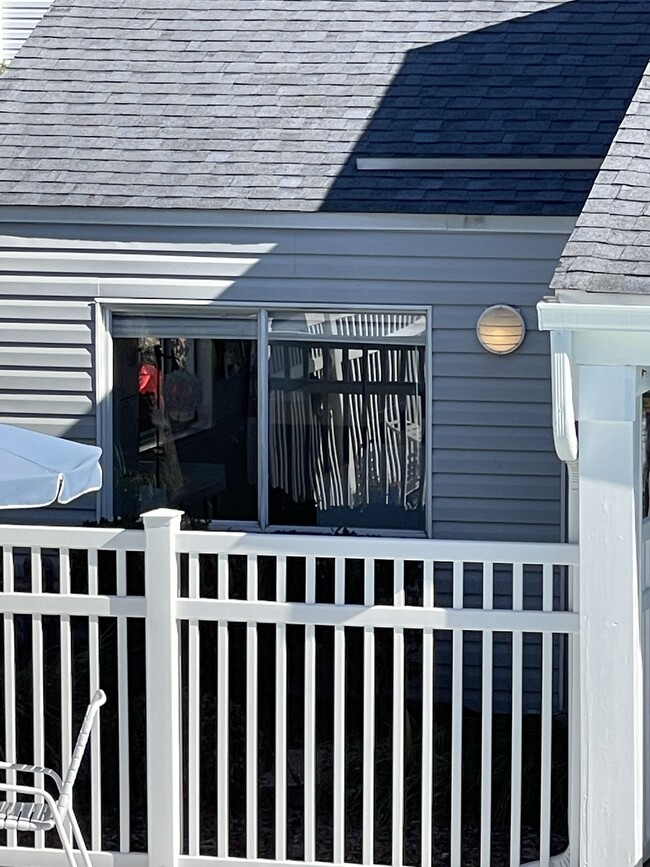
[{"x": 294, "y": 698}]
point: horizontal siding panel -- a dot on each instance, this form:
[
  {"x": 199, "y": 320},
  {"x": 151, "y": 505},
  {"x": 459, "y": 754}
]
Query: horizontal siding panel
[
  {"x": 45, "y": 287},
  {"x": 227, "y": 242},
  {"x": 402, "y": 268},
  {"x": 54, "y": 357},
  {"x": 166, "y": 290},
  {"x": 64, "y": 516},
  {"x": 517, "y": 364},
  {"x": 510, "y": 391},
  {"x": 50, "y": 311},
  {"x": 397, "y": 237},
  {"x": 495, "y": 487},
  {"x": 466, "y": 341},
  {"x": 123, "y": 263},
  {"x": 465, "y": 316},
  {"x": 42, "y": 334},
  {"x": 39, "y": 404},
  {"x": 45, "y": 380},
  {"x": 80, "y": 429},
  {"x": 405, "y": 269},
  {"x": 252, "y": 289},
  {"x": 330, "y": 289},
  {"x": 428, "y": 244},
  {"x": 486, "y": 531},
  {"x": 486, "y": 439},
  {"x": 505, "y": 462},
  {"x": 496, "y": 414},
  {"x": 501, "y": 512},
  {"x": 19, "y": 17}
]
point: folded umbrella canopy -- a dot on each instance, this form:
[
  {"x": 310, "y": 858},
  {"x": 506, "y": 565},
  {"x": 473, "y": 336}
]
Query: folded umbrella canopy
[{"x": 37, "y": 469}]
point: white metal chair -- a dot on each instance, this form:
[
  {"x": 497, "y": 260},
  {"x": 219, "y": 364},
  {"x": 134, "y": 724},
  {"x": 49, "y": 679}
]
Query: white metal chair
[{"x": 51, "y": 813}]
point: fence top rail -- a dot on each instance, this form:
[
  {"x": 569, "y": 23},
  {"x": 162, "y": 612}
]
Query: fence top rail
[
  {"x": 294, "y": 545},
  {"x": 77, "y": 538},
  {"x": 289, "y": 545}
]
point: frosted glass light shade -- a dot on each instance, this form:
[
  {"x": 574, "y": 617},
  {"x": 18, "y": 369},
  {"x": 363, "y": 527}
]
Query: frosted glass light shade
[{"x": 500, "y": 329}]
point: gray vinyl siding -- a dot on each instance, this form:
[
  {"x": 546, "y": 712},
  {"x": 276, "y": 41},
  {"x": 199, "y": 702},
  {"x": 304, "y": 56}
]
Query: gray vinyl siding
[
  {"x": 495, "y": 474},
  {"x": 17, "y": 20},
  {"x": 47, "y": 379}
]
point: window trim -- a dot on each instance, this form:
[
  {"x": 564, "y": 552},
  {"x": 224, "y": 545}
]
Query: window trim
[{"x": 104, "y": 310}]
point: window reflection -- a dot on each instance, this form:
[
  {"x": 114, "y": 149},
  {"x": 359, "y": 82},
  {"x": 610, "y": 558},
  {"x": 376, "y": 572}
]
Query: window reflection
[
  {"x": 186, "y": 426},
  {"x": 347, "y": 446}
]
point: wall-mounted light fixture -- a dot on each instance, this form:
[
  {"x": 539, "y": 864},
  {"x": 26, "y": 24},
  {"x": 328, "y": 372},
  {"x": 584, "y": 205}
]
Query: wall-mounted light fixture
[{"x": 500, "y": 329}]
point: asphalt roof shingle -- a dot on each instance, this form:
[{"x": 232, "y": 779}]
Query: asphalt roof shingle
[
  {"x": 609, "y": 250},
  {"x": 266, "y": 104}
]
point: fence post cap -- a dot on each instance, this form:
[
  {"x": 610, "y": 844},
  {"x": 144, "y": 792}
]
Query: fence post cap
[{"x": 161, "y": 518}]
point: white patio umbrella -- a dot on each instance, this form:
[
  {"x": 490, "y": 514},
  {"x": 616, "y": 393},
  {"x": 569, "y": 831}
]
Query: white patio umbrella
[{"x": 37, "y": 469}]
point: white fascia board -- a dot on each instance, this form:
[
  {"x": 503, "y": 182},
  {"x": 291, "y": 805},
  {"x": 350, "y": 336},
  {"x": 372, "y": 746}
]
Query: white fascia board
[
  {"x": 599, "y": 333},
  {"x": 554, "y": 316}
]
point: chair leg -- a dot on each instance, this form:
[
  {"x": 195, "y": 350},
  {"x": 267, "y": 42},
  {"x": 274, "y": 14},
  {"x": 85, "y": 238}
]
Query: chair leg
[
  {"x": 85, "y": 857},
  {"x": 67, "y": 848}
]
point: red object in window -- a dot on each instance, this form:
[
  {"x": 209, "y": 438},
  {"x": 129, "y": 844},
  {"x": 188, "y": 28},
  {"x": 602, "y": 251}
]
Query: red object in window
[{"x": 149, "y": 379}]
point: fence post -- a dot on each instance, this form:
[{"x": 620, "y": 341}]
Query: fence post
[
  {"x": 611, "y": 667},
  {"x": 161, "y": 527}
]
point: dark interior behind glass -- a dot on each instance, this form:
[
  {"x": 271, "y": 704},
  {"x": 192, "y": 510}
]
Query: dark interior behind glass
[{"x": 185, "y": 426}]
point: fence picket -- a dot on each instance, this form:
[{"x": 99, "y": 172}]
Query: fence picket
[
  {"x": 517, "y": 711},
  {"x": 66, "y": 664},
  {"x": 93, "y": 666},
  {"x": 398, "y": 723},
  {"x": 338, "y": 805},
  {"x": 455, "y": 833},
  {"x": 281, "y": 718},
  {"x": 9, "y": 677},
  {"x": 309, "y": 799},
  {"x": 368, "y": 832},
  {"x": 487, "y": 667},
  {"x": 223, "y": 716},
  {"x": 194, "y": 712},
  {"x": 546, "y": 723},
  {"x": 123, "y": 708},
  {"x": 427, "y": 720},
  {"x": 223, "y": 720},
  {"x": 252, "y": 721},
  {"x": 38, "y": 713}
]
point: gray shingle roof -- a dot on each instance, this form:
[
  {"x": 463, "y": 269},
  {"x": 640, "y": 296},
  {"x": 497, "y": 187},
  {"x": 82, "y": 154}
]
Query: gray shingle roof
[
  {"x": 609, "y": 250},
  {"x": 266, "y": 104}
]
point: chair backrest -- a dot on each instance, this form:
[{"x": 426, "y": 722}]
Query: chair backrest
[{"x": 77, "y": 754}]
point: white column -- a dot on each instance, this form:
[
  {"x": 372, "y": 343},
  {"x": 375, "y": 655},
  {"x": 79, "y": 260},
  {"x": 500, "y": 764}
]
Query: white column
[
  {"x": 611, "y": 696},
  {"x": 163, "y": 699}
]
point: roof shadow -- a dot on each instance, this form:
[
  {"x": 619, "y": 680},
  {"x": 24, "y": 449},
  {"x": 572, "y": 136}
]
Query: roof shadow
[{"x": 555, "y": 83}]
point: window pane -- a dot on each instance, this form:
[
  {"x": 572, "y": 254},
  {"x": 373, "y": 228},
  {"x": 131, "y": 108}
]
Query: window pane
[
  {"x": 352, "y": 326},
  {"x": 185, "y": 420},
  {"x": 346, "y": 445}
]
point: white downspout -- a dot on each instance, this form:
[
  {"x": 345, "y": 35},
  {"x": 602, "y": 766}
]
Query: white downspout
[{"x": 565, "y": 434}]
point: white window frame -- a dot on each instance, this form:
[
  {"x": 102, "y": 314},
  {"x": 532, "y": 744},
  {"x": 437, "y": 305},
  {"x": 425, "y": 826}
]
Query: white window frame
[{"x": 105, "y": 308}]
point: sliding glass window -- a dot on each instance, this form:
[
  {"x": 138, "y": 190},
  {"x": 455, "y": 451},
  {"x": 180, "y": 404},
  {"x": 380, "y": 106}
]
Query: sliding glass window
[
  {"x": 341, "y": 416},
  {"x": 185, "y": 417},
  {"x": 347, "y": 420}
]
